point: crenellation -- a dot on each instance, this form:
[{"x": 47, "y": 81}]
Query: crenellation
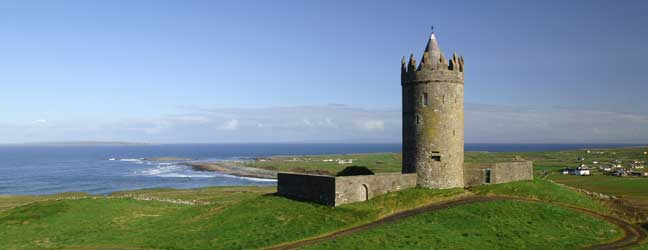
[{"x": 411, "y": 67}]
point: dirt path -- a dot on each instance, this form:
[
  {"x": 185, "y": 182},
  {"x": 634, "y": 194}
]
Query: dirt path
[{"x": 632, "y": 234}]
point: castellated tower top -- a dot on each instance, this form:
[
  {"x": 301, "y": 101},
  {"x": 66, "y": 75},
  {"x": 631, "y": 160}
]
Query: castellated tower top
[{"x": 433, "y": 66}]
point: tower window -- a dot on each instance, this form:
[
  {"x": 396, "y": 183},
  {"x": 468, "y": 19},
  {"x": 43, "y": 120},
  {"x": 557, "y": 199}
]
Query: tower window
[
  {"x": 436, "y": 156},
  {"x": 443, "y": 99},
  {"x": 425, "y": 99},
  {"x": 418, "y": 119}
]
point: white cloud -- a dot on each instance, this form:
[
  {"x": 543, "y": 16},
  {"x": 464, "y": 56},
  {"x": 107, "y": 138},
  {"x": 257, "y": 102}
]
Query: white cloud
[
  {"x": 340, "y": 123},
  {"x": 371, "y": 125},
  {"x": 232, "y": 124}
]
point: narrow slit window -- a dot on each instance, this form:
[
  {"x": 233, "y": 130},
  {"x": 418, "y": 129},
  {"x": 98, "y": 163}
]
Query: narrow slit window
[
  {"x": 418, "y": 119},
  {"x": 425, "y": 99}
]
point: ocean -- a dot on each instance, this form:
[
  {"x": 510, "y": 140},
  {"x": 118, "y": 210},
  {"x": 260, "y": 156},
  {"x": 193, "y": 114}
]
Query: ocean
[{"x": 107, "y": 169}]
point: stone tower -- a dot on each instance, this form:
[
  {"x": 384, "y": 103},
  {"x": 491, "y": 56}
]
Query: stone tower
[{"x": 433, "y": 118}]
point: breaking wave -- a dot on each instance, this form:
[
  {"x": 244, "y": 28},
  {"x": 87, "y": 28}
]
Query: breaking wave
[{"x": 130, "y": 160}]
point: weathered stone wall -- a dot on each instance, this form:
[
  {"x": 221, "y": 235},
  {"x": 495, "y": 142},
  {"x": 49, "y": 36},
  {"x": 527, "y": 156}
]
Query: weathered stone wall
[
  {"x": 334, "y": 191},
  {"x": 349, "y": 189},
  {"x": 433, "y": 133},
  {"x": 316, "y": 188},
  {"x": 501, "y": 172}
]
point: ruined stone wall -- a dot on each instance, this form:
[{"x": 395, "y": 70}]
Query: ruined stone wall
[
  {"x": 513, "y": 171},
  {"x": 501, "y": 172},
  {"x": 334, "y": 191},
  {"x": 315, "y": 188},
  {"x": 349, "y": 189}
]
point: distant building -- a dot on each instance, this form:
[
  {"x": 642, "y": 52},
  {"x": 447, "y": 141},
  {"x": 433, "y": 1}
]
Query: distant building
[
  {"x": 620, "y": 172},
  {"x": 581, "y": 172},
  {"x": 580, "y": 158},
  {"x": 345, "y": 161}
]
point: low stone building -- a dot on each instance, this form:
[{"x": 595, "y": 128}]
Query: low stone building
[{"x": 334, "y": 191}]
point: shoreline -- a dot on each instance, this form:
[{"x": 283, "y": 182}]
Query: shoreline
[{"x": 231, "y": 169}]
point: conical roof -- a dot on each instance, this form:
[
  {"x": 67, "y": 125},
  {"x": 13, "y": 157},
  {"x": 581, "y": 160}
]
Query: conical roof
[{"x": 433, "y": 51}]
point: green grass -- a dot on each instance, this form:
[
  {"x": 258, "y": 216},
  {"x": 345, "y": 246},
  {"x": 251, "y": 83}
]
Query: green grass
[
  {"x": 542, "y": 190},
  {"x": 245, "y": 218},
  {"x": 235, "y": 217},
  {"x": 490, "y": 225},
  {"x": 378, "y": 163},
  {"x": 11, "y": 201},
  {"x": 627, "y": 186}
]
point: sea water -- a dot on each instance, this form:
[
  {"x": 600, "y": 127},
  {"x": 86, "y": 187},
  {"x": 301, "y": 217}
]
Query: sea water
[{"x": 106, "y": 169}]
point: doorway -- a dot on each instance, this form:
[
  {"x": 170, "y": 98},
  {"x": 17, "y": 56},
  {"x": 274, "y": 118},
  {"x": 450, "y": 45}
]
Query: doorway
[
  {"x": 487, "y": 176},
  {"x": 364, "y": 192}
]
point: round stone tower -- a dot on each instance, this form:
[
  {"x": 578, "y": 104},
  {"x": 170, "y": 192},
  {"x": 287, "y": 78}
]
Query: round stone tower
[{"x": 433, "y": 118}]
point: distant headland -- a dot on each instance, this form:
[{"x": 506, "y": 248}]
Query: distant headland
[{"x": 80, "y": 143}]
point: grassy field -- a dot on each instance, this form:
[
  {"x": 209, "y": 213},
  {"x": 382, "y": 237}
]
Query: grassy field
[
  {"x": 490, "y": 225},
  {"x": 237, "y": 217},
  {"x": 378, "y": 163},
  {"x": 391, "y": 162},
  {"x": 632, "y": 190}
]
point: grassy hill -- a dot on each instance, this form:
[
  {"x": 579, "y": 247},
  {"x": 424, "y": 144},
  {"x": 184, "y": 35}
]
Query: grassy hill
[
  {"x": 491, "y": 225},
  {"x": 252, "y": 217}
]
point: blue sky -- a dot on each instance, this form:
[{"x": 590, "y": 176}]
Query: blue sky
[{"x": 246, "y": 71}]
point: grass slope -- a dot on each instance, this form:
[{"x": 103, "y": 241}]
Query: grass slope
[
  {"x": 244, "y": 221},
  {"x": 234, "y": 217},
  {"x": 489, "y": 225}
]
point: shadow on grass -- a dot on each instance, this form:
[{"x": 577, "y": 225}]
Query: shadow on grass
[{"x": 295, "y": 198}]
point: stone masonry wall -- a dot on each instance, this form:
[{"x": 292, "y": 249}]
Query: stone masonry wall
[
  {"x": 315, "y": 188},
  {"x": 433, "y": 132},
  {"x": 349, "y": 189},
  {"x": 502, "y": 172}
]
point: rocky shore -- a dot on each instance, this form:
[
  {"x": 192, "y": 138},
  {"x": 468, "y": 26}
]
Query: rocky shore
[{"x": 231, "y": 169}]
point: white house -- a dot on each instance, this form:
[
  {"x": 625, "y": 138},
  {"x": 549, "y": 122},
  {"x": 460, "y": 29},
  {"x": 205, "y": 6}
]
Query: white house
[
  {"x": 565, "y": 171},
  {"x": 581, "y": 172}
]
